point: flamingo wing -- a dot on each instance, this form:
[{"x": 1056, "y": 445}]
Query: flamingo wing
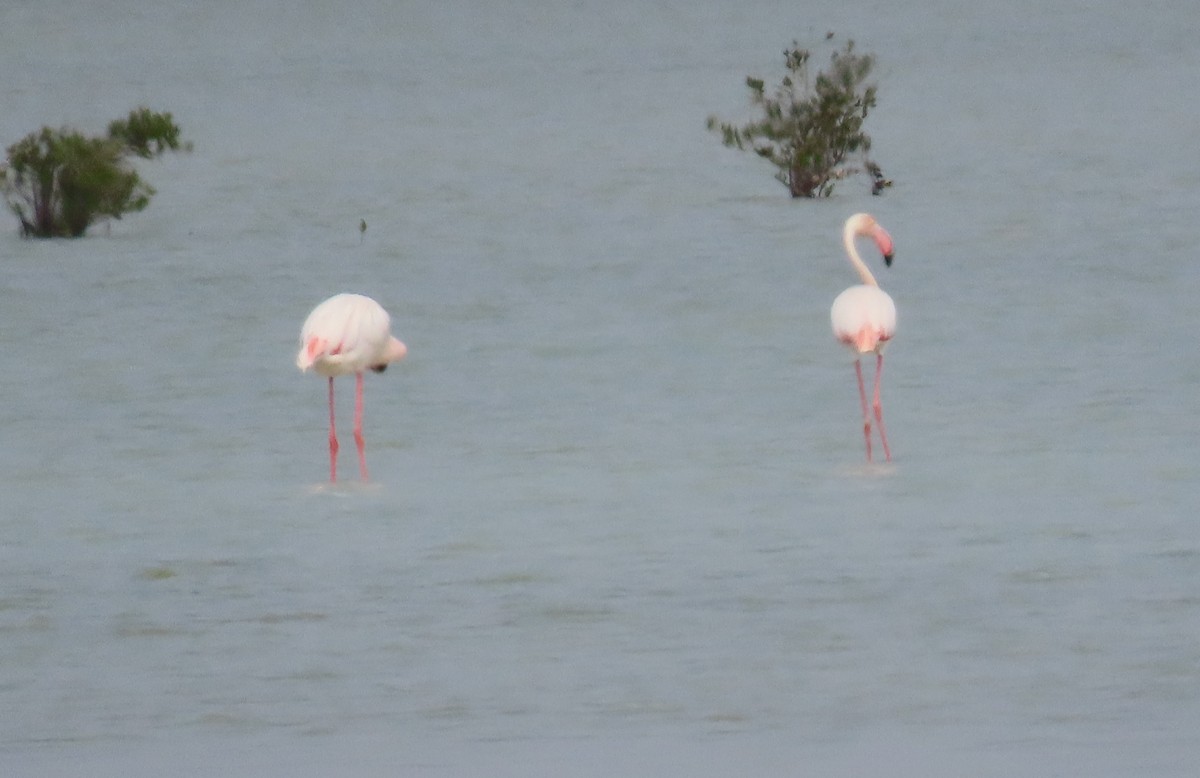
[{"x": 345, "y": 334}]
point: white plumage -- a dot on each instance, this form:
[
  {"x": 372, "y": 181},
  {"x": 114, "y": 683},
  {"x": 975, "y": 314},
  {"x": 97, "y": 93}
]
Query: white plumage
[
  {"x": 348, "y": 334},
  {"x": 864, "y": 317}
]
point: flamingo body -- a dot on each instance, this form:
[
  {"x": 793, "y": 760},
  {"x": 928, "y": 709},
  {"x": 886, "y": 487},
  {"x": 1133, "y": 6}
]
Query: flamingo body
[
  {"x": 346, "y": 335},
  {"x": 864, "y": 318}
]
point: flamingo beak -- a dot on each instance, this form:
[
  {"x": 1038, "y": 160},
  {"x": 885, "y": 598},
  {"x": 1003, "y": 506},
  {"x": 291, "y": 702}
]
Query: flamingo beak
[{"x": 884, "y": 241}]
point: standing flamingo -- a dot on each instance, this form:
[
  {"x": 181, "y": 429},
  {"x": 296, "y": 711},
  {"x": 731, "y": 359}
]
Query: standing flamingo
[
  {"x": 864, "y": 316},
  {"x": 348, "y": 333}
]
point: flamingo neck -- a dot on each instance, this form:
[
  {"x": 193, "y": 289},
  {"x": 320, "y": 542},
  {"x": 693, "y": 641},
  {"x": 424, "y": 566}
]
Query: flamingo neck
[{"x": 848, "y": 236}]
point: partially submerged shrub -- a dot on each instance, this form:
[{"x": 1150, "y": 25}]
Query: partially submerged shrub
[
  {"x": 809, "y": 128},
  {"x": 59, "y": 182}
]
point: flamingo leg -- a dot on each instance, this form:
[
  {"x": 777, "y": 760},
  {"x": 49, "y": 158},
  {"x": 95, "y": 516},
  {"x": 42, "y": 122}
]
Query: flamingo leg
[
  {"x": 878, "y": 407},
  {"x": 862, "y": 395},
  {"x": 359, "y": 440},
  {"x": 333, "y": 444}
]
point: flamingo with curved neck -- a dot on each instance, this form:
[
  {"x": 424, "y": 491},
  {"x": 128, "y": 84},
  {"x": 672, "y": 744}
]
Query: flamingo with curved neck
[
  {"x": 346, "y": 335},
  {"x": 864, "y": 317}
]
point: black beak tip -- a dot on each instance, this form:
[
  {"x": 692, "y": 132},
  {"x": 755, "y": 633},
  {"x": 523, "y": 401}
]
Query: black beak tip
[{"x": 887, "y": 259}]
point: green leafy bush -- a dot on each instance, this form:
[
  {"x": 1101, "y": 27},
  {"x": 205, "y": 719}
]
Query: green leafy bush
[
  {"x": 60, "y": 182},
  {"x": 809, "y": 128}
]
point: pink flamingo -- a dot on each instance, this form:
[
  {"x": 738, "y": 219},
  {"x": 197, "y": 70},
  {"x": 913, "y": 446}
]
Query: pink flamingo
[
  {"x": 864, "y": 317},
  {"x": 348, "y": 333}
]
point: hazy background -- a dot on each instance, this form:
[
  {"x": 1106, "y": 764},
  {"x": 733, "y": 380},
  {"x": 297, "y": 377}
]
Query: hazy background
[{"x": 620, "y": 522}]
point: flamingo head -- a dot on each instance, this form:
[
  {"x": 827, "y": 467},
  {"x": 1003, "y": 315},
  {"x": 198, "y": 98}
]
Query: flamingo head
[
  {"x": 864, "y": 224},
  {"x": 394, "y": 352}
]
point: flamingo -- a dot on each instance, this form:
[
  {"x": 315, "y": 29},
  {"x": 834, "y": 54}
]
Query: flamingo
[
  {"x": 348, "y": 333},
  {"x": 864, "y": 317}
]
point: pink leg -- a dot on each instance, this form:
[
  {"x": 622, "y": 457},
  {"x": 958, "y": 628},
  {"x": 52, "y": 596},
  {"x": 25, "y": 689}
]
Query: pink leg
[
  {"x": 862, "y": 395},
  {"x": 879, "y": 407},
  {"x": 333, "y": 444},
  {"x": 358, "y": 433}
]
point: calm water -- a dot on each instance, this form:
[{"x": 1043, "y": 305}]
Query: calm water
[{"x": 620, "y": 523}]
